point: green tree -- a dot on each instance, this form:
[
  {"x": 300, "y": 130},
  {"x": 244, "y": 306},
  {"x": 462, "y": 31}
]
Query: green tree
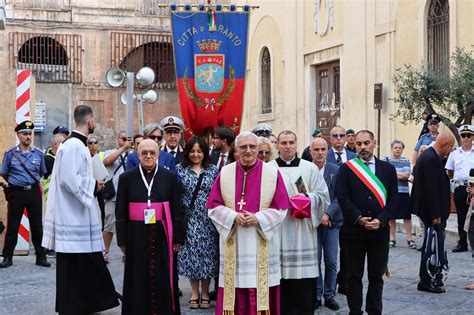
[{"x": 451, "y": 96}]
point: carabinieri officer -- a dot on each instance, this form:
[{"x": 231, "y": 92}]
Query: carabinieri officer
[{"x": 22, "y": 167}]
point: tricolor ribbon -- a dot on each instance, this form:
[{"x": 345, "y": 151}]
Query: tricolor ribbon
[{"x": 212, "y": 15}]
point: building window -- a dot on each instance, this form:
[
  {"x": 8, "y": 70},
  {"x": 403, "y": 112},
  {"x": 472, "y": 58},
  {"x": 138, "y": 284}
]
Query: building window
[
  {"x": 52, "y": 58},
  {"x": 438, "y": 36},
  {"x": 266, "y": 83},
  {"x": 130, "y": 52}
]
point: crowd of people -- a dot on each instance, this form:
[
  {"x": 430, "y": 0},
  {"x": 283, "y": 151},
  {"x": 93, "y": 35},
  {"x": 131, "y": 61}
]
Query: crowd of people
[{"x": 243, "y": 211}]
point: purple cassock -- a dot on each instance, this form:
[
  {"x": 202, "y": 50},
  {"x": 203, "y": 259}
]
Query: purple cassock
[{"x": 246, "y": 297}]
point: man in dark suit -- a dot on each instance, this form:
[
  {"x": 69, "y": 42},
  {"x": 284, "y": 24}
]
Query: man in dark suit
[
  {"x": 431, "y": 200},
  {"x": 222, "y": 140},
  {"x": 328, "y": 230},
  {"x": 338, "y": 154},
  {"x": 366, "y": 189}
]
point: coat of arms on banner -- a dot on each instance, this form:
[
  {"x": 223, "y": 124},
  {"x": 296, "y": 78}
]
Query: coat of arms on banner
[{"x": 209, "y": 72}]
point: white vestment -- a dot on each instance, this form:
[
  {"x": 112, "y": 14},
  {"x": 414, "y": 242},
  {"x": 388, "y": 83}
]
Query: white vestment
[
  {"x": 246, "y": 237},
  {"x": 299, "y": 240},
  {"x": 72, "y": 224}
]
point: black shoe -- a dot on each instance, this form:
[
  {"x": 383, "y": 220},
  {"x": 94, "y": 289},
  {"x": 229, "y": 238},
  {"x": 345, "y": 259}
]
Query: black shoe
[
  {"x": 460, "y": 248},
  {"x": 41, "y": 261},
  {"x": 331, "y": 304},
  {"x": 50, "y": 253},
  {"x": 180, "y": 293},
  {"x": 317, "y": 304},
  {"x": 430, "y": 287},
  {"x": 7, "y": 262}
]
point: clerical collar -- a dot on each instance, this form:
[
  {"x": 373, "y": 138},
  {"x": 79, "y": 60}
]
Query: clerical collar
[
  {"x": 149, "y": 174},
  {"x": 79, "y": 135},
  {"x": 247, "y": 168},
  {"x": 293, "y": 163}
]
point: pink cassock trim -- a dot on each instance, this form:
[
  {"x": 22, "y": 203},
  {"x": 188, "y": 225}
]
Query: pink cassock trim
[{"x": 163, "y": 214}]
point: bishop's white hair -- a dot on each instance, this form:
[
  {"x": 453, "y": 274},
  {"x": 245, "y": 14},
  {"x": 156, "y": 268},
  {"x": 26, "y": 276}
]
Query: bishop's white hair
[{"x": 246, "y": 134}]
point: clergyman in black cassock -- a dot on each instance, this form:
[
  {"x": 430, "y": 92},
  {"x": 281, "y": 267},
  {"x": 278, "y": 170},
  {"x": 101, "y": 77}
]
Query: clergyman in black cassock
[{"x": 150, "y": 285}]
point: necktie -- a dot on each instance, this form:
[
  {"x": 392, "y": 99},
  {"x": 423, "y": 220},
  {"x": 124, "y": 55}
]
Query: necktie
[
  {"x": 172, "y": 152},
  {"x": 221, "y": 163},
  {"x": 339, "y": 159}
]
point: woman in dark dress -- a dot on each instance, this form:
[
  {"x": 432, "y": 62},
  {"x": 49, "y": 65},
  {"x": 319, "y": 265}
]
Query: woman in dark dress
[{"x": 198, "y": 258}]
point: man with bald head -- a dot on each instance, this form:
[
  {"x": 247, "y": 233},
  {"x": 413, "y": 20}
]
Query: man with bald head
[
  {"x": 149, "y": 225},
  {"x": 328, "y": 230},
  {"x": 431, "y": 198}
]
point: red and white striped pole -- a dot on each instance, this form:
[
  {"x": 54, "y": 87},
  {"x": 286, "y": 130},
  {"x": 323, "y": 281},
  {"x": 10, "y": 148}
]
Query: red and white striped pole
[{"x": 23, "y": 98}]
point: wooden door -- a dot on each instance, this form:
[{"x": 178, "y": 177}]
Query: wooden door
[{"x": 327, "y": 96}]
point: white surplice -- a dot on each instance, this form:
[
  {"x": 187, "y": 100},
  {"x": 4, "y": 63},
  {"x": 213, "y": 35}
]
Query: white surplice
[
  {"x": 72, "y": 223},
  {"x": 299, "y": 239}
]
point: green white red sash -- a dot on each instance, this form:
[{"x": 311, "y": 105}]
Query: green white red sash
[{"x": 369, "y": 179}]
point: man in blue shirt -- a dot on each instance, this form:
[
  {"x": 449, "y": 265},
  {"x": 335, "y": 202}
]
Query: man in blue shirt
[
  {"x": 427, "y": 138},
  {"x": 22, "y": 168}
]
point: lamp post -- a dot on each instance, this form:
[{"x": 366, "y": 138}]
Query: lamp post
[
  {"x": 115, "y": 78},
  {"x": 150, "y": 97}
]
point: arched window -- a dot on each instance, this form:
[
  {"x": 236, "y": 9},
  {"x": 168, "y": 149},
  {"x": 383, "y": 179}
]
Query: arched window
[
  {"x": 156, "y": 55},
  {"x": 266, "y": 81},
  {"x": 46, "y": 57},
  {"x": 438, "y": 36}
]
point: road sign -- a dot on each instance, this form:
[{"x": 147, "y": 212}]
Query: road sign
[{"x": 40, "y": 116}]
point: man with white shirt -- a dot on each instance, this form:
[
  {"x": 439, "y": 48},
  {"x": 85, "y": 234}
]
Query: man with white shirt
[
  {"x": 367, "y": 192},
  {"x": 173, "y": 126},
  {"x": 115, "y": 161},
  {"x": 459, "y": 163},
  {"x": 222, "y": 140},
  {"x": 338, "y": 153}
]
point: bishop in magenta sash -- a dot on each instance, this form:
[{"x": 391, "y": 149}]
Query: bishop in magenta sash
[{"x": 247, "y": 204}]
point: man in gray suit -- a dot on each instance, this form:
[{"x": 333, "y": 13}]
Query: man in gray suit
[{"x": 328, "y": 230}]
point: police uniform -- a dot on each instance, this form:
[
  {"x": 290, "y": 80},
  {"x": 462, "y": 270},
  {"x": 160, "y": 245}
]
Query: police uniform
[
  {"x": 24, "y": 192},
  {"x": 461, "y": 162},
  {"x": 262, "y": 130},
  {"x": 168, "y": 124},
  {"x": 427, "y": 138}
]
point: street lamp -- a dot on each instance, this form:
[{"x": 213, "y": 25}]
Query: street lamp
[
  {"x": 150, "y": 97},
  {"x": 145, "y": 76}
]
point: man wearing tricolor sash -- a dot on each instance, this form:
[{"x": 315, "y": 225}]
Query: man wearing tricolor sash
[
  {"x": 366, "y": 189},
  {"x": 247, "y": 204},
  {"x": 309, "y": 200}
]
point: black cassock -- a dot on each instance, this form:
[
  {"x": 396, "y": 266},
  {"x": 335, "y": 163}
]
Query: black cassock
[{"x": 147, "y": 280}]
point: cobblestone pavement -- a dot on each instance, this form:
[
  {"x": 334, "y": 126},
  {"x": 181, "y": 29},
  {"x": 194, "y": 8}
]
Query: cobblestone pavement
[{"x": 28, "y": 289}]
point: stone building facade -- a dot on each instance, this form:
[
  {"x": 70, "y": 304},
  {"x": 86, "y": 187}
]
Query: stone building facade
[
  {"x": 70, "y": 44},
  {"x": 314, "y": 63}
]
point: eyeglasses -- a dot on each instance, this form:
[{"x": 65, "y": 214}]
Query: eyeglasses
[
  {"x": 338, "y": 135},
  {"x": 93, "y": 142},
  {"x": 150, "y": 153},
  {"x": 159, "y": 138},
  {"x": 247, "y": 146},
  {"x": 466, "y": 135},
  {"x": 264, "y": 152}
]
